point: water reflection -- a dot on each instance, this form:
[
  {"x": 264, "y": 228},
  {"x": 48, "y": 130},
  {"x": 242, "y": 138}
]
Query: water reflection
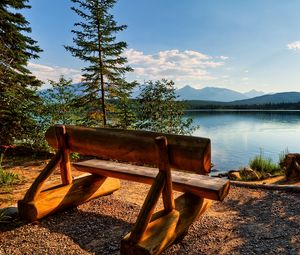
[{"x": 238, "y": 136}]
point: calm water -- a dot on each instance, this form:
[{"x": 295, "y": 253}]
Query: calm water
[{"x": 237, "y": 136}]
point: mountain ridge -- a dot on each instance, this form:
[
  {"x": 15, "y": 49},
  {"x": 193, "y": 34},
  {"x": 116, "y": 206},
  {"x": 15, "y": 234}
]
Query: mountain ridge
[{"x": 214, "y": 94}]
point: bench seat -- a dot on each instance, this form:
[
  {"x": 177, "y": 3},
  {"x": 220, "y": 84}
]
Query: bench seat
[
  {"x": 200, "y": 185},
  {"x": 153, "y": 231}
]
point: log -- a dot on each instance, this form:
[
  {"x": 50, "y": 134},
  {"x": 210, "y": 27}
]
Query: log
[
  {"x": 148, "y": 207},
  {"x": 185, "y": 152},
  {"x": 287, "y": 188},
  {"x": 164, "y": 229},
  {"x": 204, "y": 186},
  {"x": 35, "y": 189},
  {"x": 291, "y": 166},
  {"x": 164, "y": 166},
  {"x": 65, "y": 164},
  {"x": 58, "y": 198}
]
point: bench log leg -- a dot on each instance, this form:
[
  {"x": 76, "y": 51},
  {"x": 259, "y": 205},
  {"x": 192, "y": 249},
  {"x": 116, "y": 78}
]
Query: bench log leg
[
  {"x": 164, "y": 229},
  {"x": 60, "y": 197}
]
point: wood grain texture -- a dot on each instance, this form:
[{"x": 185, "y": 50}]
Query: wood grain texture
[
  {"x": 148, "y": 207},
  {"x": 158, "y": 235},
  {"x": 65, "y": 164},
  {"x": 185, "y": 152},
  {"x": 164, "y": 228},
  {"x": 36, "y": 187},
  {"x": 164, "y": 166},
  {"x": 200, "y": 185},
  {"x": 61, "y": 197}
]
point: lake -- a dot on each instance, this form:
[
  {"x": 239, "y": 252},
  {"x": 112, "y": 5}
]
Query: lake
[{"x": 237, "y": 136}]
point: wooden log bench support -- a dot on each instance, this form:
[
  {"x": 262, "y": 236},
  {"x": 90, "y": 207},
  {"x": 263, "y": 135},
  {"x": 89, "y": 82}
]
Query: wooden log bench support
[{"x": 142, "y": 156}]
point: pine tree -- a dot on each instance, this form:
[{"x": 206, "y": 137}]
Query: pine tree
[
  {"x": 95, "y": 44},
  {"x": 17, "y": 84}
]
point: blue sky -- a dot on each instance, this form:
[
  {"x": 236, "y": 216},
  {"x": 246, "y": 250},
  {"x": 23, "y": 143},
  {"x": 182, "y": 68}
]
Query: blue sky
[{"x": 240, "y": 45}]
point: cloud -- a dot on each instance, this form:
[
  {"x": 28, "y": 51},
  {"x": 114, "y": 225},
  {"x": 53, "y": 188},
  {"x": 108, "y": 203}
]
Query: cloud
[
  {"x": 294, "y": 45},
  {"x": 183, "y": 67},
  {"x": 46, "y": 73},
  {"x": 223, "y": 57}
]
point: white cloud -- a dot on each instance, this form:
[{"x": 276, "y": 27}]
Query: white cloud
[
  {"x": 46, "y": 73},
  {"x": 183, "y": 67},
  {"x": 294, "y": 45},
  {"x": 223, "y": 57}
]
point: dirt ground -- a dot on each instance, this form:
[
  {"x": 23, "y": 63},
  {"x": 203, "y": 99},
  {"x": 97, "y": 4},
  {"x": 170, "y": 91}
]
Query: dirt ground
[
  {"x": 248, "y": 221},
  {"x": 29, "y": 168}
]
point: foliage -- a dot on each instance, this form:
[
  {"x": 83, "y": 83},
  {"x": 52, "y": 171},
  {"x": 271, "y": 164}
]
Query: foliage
[
  {"x": 201, "y": 104},
  {"x": 61, "y": 103},
  {"x": 17, "y": 84},
  {"x": 95, "y": 44},
  {"x": 75, "y": 156},
  {"x": 264, "y": 165},
  {"x": 124, "y": 106},
  {"x": 159, "y": 111},
  {"x": 7, "y": 178}
]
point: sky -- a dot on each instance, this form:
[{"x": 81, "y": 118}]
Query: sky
[{"x": 239, "y": 45}]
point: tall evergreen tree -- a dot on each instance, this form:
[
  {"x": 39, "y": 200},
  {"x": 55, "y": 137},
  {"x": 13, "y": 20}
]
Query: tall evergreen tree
[
  {"x": 17, "y": 84},
  {"x": 95, "y": 44}
]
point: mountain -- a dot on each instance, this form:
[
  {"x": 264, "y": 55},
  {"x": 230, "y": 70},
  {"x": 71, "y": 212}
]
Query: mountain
[
  {"x": 277, "y": 98},
  {"x": 209, "y": 94},
  {"x": 253, "y": 93},
  {"x": 76, "y": 88}
]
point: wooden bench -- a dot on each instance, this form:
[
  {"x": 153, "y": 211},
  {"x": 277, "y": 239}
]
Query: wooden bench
[{"x": 145, "y": 157}]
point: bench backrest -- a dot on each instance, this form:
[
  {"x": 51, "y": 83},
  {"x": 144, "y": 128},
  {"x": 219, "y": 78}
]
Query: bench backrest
[{"x": 185, "y": 152}]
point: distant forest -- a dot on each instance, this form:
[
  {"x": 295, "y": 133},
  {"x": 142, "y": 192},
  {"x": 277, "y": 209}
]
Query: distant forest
[{"x": 201, "y": 105}]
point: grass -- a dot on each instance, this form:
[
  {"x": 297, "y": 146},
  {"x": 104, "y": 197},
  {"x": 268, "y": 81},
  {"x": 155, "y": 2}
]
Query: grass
[
  {"x": 264, "y": 165},
  {"x": 282, "y": 156},
  {"x": 7, "y": 178}
]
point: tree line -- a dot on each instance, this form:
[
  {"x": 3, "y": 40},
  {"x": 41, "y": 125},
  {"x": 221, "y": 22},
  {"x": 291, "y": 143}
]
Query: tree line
[
  {"x": 195, "y": 105},
  {"x": 104, "y": 98}
]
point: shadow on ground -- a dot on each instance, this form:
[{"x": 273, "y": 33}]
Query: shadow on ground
[{"x": 247, "y": 222}]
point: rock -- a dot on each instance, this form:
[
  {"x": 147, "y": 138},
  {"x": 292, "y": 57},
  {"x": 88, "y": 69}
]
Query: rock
[
  {"x": 249, "y": 174},
  {"x": 8, "y": 214},
  {"x": 10, "y": 211},
  {"x": 234, "y": 175},
  {"x": 268, "y": 175}
]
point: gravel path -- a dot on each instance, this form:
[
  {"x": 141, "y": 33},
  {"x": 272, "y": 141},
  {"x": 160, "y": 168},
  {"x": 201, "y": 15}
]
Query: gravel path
[{"x": 247, "y": 222}]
